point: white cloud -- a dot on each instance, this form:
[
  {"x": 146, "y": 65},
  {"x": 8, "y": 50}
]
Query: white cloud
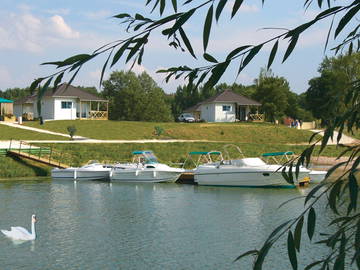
[
  {"x": 26, "y": 32},
  {"x": 65, "y": 31}
]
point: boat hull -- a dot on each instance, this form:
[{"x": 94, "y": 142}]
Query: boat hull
[
  {"x": 244, "y": 177},
  {"x": 79, "y": 174},
  {"x": 144, "y": 176}
]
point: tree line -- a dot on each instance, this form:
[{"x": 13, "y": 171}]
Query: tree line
[{"x": 138, "y": 98}]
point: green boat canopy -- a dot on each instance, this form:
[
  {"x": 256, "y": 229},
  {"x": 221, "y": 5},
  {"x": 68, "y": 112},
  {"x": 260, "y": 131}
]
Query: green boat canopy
[
  {"x": 204, "y": 153},
  {"x": 3, "y": 100},
  {"x": 277, "y": 154}
]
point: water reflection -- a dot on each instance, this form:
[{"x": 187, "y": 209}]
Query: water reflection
[{"x": 95, "y": 225}]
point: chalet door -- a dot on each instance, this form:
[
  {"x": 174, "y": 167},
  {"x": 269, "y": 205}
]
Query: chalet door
[{"x": 242, "y": 113}]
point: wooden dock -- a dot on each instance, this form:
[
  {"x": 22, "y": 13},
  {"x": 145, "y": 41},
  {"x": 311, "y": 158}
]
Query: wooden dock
[{"x": 37, "y": 158}]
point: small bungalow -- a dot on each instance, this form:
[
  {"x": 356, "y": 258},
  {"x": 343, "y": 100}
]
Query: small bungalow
[
  {"x": 66, "y": 102},
  {"x": 227, "y": 106},
  {"x": 6, "y": 108}
]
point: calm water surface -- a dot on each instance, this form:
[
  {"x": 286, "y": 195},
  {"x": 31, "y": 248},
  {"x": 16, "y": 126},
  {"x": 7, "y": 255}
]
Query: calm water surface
[{"x": 95, "y": 225}]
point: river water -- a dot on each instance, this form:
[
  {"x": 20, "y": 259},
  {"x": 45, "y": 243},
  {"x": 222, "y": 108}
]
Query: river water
[{"x": 96, "y": 225}]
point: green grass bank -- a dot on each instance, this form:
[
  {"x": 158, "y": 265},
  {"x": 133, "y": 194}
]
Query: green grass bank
[{"x": 230, "y": 132}]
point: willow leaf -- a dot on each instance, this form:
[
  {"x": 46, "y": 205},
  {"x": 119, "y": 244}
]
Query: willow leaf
[
  {"x": 311, "y": 223},
  {"x": 346, "y": 18},
  {"x": 291, "y": 47},
  {"x": 120, "y": 52},
  {"x": 236, "y": 7},
  {"x": 207, "y": 27},
  {"x": 220, "y": 8},
  {"x": 292, "y": 251},
  {"x": 297, "y": 233},
  {"x": 209, "y": 58},
  {"x": 58, "y": 80},
  {"x": 174, "y": 4},
  {"x": 272, "y": 54},
  {"x": 216, "y": 74},
  {"x": 353, "y": 190},
  {"x": 187, "y": 42},
  {"x": 254, "y": 51}
]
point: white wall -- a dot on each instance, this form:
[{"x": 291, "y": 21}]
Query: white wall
[
  {"x": 64, "y": 114},
  {"x": 224, "y": 116},
  {"x": 213, "y": 112},
  {"x": 47, "y": 108},
  {"x": 208, "y": 112}
]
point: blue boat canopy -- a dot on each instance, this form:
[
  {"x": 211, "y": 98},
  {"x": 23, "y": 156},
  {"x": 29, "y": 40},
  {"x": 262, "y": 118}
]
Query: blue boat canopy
[{"x": 3, "y": 100}]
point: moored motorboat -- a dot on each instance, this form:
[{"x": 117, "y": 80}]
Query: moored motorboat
[
  {"x": 144, "y": 168},
  {"x": 92, "y": 171},
  {"x": 247, "y": 172}
]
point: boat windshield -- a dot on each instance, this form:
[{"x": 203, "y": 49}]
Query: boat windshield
[{"x": 146, "y": 157}]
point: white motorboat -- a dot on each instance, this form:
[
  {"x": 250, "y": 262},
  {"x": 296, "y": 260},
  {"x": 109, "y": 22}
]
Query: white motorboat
[
  {"x": 144, "y": 168},
  {"x": 92, "y": 171},
  {"x": 247, "y": 172},
  {"x": 251, "y": 172}
]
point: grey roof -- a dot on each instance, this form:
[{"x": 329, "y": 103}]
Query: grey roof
[
  {"x": 230, "y": 96},
  {"x": 63, "y": 90},
  {"x": 24, "y": 100},
  {"x": 194, "y": 108},
  {"x": 226, "y": 96}
]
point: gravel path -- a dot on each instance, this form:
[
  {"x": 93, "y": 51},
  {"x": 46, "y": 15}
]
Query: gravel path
[
  {"x": 344, "y": 138},
  {"x": 15, "y": 125}
]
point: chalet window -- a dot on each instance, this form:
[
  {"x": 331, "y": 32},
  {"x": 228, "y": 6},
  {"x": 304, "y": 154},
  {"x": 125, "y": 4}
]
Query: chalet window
[
  {"x": 66, "y": 104},
  {"x": 226, "y": 108}
]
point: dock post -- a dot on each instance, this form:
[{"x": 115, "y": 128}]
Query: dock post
[{"x": 50, "y": 155}]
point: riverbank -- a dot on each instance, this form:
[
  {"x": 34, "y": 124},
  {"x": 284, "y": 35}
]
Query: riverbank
[{"x": 173, "y": 154}]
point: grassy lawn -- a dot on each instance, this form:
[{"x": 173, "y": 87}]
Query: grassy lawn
[
  {"x": 231, "y": 132},
  {"x": 15, "y": 167},
  {"x": 7, "y": 133},
  {"x": 79, "y": 154}
]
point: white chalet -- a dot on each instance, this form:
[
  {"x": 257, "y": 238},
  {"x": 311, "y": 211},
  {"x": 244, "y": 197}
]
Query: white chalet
[
  {"x": 226, "y": 106},
  {"x": 65, "y": 103}
]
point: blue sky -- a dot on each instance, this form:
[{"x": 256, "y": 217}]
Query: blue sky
[{"x": 32, "y": 32}]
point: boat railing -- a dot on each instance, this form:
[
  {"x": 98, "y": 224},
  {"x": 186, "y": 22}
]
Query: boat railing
[
  {"x": 278, "y": 157},
  {"x": 237, "y": 149}
]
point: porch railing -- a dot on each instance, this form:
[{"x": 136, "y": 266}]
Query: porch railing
[
  {"x": 98, "y": 115},
  {"x": 256, "y": 117}
]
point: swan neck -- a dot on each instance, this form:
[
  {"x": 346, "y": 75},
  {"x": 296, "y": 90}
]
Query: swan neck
[{"x": 33, "y": 228}]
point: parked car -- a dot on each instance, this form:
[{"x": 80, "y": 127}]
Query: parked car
[{"x": 186, "y": 117}]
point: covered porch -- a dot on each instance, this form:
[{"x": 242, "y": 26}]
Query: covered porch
[
  {"x": 93, "y": 109},
  {"x": 249, "y": 113}
]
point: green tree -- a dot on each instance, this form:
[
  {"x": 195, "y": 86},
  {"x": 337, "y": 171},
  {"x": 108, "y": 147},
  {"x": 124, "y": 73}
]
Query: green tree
[
  {"x": 344, "y": 23},
  {"x": 326, "y": 96},
  {"x": 272, "y": 92},
  {"x": 15, "y": 93},
  {"x": 135, "y": 98}
]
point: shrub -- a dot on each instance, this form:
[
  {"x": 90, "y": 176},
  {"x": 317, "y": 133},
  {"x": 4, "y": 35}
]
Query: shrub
[
  {"x": 158, "y": 130},
  {"x": 71, "y": 130}
]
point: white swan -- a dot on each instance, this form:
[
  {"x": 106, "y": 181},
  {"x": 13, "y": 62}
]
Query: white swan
[{"x": 20, "y": 233}]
